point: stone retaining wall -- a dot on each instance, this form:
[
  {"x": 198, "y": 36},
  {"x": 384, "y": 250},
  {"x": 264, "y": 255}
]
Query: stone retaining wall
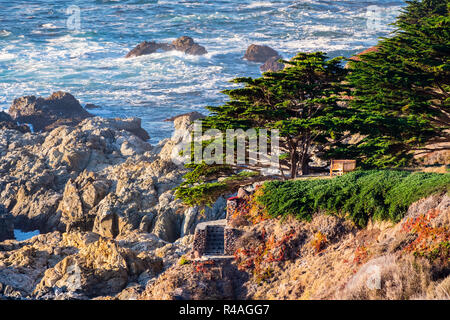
[
  {"x": 199, "y": 244},
  {"x": 230, "y": 237}
]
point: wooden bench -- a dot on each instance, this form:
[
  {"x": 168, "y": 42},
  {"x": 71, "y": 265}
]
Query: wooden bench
[{"x": 339, "y": 167}]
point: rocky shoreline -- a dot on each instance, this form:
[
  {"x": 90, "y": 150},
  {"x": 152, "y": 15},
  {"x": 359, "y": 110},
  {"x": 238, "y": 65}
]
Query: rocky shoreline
[
  {"x": 94, "y": 179},
  {"x": 102, "y": 198}
]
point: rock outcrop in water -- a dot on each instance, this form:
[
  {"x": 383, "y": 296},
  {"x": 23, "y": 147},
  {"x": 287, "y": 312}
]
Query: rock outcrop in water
[
  {"x": 357, "y": 56},
  {"x": 266, "y": 55},
  {"x": 61, "y": 108},
  {"x": 95, "y": 176},
  {"x": 272, "y": 64},
  {"x": 184, "y": 44},
  {"x": 259, "y": 53}
]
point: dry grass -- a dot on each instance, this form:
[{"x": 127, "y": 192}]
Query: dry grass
[
  {"x": 389, "y": 278},
  {"x": 339, "y": 270}
]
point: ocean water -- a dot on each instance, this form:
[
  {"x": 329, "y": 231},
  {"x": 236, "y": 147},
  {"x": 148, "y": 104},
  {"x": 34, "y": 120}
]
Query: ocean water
[
  {"x": 78, "y": 46},
  {"x": 20, "y": 235}
]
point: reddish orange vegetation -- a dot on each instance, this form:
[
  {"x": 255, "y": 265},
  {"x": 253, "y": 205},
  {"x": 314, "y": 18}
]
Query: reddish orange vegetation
[
  {"x": 432, "y": 242},
  {"x": 250, "y": 210},
  {"x": 361, "y": 255},
  {"x": 200, "y": 266},
  {"x": 319, "y": 242},
  {"x": 258, "y": 258}
]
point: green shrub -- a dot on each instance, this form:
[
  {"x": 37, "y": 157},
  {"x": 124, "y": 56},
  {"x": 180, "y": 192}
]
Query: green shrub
[
  {"x": 183, "y": 260},
  {"x": 202, "y": 194},
  {"x": 359, "y": 196},
  {"x": 206, "y": 193}
]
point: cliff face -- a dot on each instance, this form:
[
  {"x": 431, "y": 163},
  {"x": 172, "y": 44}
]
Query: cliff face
[{"x": 327, "y": 258}]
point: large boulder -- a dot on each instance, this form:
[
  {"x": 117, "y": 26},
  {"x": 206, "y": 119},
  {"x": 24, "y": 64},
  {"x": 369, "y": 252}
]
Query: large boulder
[
  {"x": 147, "y": 47},
  {"x": 184, "y": 44},
  {"x": 42, "y": 113},
  {"x": 188, "y": 46},
  {"x": 260, "y": 53}
]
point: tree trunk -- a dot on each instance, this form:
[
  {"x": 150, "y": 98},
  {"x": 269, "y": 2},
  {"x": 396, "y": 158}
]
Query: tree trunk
[
  {"x": 294, "y": 160},
  {"x": 305, "y": 165}
]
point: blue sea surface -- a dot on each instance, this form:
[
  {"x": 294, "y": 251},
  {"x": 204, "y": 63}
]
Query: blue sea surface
[
  {"x": 44, "y": 47},
  {"x": 20, "y": 235}
]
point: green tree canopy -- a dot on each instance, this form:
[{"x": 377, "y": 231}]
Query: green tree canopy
[
  {"x": 405, "y": 85},
  {"x": 301, "y": 101}
]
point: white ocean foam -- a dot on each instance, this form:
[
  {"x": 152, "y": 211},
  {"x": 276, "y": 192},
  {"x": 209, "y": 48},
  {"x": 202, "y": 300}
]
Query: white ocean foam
[
  {"x": 4, "y": 33},
  {"x": 259, "y": 4},
  {"x": 27, "y": 124},
  {"x": 49, "y": 26},
  {"x": 4, "y": 56}
]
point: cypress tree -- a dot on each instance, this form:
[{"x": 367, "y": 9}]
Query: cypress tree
[
  {"x": 302, "y": 101},
  {"x": 404, "y": 86}
]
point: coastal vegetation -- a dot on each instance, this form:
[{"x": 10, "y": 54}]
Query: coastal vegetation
[
  {"x": 384, "y": 107},
  {"x": 358, "y": 196},
  {"x": 103, "y": 205},
  {"x": 405, "y": 86}
]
